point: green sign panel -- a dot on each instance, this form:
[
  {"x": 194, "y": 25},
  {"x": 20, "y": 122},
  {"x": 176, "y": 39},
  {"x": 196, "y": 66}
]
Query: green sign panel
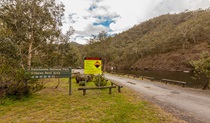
[{"x": 50, "y": 73}]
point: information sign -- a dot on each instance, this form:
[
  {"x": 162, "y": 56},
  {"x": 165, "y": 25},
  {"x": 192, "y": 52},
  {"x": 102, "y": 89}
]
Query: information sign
[
  {"x": 92, "y": 66},
  {"x": 50, "y": 73}
]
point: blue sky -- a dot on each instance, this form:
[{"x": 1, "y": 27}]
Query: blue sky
[
  {"x": 104, "y": 21},
  {"x": 90, "y": 17}
]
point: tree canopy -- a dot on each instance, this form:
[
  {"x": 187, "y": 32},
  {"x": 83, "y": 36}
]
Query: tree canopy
[{"x": 32, "y": 28}]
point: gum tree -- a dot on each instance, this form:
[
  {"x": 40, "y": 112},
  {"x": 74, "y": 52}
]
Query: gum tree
[{"x": 32, "y": 24}]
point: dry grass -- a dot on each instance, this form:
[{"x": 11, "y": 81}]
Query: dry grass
[{"x": 55, "y": 105}]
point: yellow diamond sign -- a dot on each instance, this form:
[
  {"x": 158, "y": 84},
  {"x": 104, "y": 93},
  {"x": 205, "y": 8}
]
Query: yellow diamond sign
[
  {"x": 92, "y": 66},
  {"x": 97, "y": 64}
]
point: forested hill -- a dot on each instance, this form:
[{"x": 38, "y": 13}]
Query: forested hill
[{"x": 167, "y": 42}]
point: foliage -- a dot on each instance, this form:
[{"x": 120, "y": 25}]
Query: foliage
[
  {"x": 159, "y": 35},
  {"x": 57, "y": 55},
  {"x": 30, "y": 36},
  {"x": 100, "y": 80},
  {"x": 30, "y": 24},
  {"x": 16, "y": 82},
  {"x": 202, "y": 67},
  {"x": 82, "y": 83}
]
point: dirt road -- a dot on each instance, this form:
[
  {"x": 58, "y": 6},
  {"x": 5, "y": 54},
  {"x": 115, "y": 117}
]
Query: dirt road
[{"x": 191, "y": 105}]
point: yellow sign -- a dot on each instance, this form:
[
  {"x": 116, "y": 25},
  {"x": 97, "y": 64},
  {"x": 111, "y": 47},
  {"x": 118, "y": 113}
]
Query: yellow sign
[{"x": 93, "y": 66}]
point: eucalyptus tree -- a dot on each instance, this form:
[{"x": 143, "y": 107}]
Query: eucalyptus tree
[
  {"x": 72, "y": 56},
  {"x": 31, "y": 24}
]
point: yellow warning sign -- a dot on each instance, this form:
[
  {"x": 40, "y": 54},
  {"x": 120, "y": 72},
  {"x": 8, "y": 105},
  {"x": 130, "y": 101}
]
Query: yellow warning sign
[{"x": 93, "y": 66}]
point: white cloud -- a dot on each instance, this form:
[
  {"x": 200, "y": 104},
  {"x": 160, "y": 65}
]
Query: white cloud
[
  {"x": 124, "y": 13},
  {"x": 92, "y": 30}
]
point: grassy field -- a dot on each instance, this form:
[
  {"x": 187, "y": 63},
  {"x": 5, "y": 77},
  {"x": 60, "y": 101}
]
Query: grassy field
[{"x": 97, "y": 106}]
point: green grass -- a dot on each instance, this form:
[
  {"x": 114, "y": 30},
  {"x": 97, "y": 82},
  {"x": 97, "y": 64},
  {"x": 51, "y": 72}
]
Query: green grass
[{"x": 97, "y": 106}]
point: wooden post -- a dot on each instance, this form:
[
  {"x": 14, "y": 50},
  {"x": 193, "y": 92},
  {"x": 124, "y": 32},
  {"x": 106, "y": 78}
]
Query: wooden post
[
  {"x": 99, "y": 80},
  {"x": 112, "y": 84},
  {"x": 84, "y": 92},
  {"x": 70, "y": 83},
  {"x": 119, "y": 91},
  {"x": 70, "y": 86},
  {"x": 110, "y": 90},
  {"x": 85, "y": 79}
]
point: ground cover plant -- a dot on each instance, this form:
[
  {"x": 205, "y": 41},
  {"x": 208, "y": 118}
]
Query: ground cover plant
[{"x": 55, "y": 105}]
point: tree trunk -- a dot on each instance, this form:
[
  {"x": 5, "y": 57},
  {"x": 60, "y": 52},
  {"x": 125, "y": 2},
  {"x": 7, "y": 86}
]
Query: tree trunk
[
  {"x": 58, "y": 83},
  {"x": 29, "y": 55},
  {"x": 21, "y": 59}
]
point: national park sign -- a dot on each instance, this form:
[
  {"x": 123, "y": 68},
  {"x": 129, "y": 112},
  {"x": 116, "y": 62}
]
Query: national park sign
[{"x": 50, "y": 73}]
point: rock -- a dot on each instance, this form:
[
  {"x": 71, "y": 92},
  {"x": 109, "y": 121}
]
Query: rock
[{"x": 81, "y": 77}]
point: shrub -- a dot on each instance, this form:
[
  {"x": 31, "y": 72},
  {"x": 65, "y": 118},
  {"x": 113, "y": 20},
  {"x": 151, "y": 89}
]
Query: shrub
[
  {"x": 202, "y": 68},
  {"x": 82, "y": 83},
  {"x": 16, "y": 82},
  {"x": 100, "y": 78}
]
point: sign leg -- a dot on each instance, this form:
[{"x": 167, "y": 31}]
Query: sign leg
[
  {"x": 70, "y": 86},
  {"x": 99, "y": 80}
]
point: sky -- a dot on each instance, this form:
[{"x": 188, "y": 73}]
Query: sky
[{"x": 90, "y": 17}]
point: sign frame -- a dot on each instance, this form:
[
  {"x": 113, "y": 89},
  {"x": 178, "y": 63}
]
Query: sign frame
[{"x": 40, "y": 73}]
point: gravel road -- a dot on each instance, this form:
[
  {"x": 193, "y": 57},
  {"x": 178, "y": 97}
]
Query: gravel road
[{"x": 191, "y": 105}]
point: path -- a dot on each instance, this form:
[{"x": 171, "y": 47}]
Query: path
[{"x": 191, "y": 105}]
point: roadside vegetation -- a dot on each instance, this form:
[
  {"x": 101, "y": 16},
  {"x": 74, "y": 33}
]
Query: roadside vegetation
[
  {"x": 55, "y": 105},
  {"x": 30, "y": 36},
  {"x": 202, "y": 68}
]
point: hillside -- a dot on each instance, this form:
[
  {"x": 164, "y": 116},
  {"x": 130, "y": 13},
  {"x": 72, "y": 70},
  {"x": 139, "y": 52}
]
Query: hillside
[
  {"x": 172, "y": 61},
  {"x": 168, "y": 42}
]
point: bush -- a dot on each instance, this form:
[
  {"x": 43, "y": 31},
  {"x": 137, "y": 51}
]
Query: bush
[
  {"x": 202, "y": 68},
  {"x": 100, "y": 78},
  {"x": 82, "y": 83},
  {"x": 16, "y": 82}
]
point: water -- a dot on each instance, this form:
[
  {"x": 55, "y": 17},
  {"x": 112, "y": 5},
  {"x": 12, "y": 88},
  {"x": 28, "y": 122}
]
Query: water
[{"x": 158, "y": 75}]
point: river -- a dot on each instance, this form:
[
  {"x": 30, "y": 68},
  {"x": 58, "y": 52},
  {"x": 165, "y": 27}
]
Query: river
[{"x": 158, "y": 75}]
